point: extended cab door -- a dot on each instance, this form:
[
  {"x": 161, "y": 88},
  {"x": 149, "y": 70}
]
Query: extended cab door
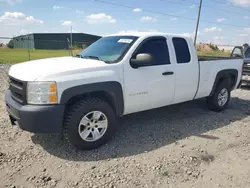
[
  {"x": 150, "y": 86},
  {"x": 186, "y": 69}
]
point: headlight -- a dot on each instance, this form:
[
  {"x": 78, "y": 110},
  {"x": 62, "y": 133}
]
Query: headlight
[{"x": 41, "y": 93}]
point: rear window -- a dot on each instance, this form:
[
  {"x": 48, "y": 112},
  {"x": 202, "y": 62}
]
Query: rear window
[{"x": 181, "y": 50}]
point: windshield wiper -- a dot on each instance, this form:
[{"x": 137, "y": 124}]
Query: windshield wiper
[
  {"x": 94, "y": 57},
  {"x": 91, "y": 57}
]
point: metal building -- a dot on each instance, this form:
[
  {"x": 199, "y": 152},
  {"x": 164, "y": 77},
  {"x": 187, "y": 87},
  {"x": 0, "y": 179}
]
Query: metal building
[{"x": 53, "y": 40}]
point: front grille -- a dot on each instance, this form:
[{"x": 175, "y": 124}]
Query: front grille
[
  {"x": 18, "y": 90},
  {"x": 246, "y": 69}
]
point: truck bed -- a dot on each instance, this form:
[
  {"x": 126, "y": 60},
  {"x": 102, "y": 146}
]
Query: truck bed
[
  {"x": 210, "y": 66},
  {"x": 214, "y": 58}
]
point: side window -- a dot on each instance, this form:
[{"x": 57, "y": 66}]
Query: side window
[
  {"x": 181, "y": 50},
  {"x": 158, "y": 48}
]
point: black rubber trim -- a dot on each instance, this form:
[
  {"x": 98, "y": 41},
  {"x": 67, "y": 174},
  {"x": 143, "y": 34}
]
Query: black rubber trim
[
  {"x": 215, "y": 58},
  {"x": 224, "y": 74},
  {"x": 113, "y": 88},
  {"x": 33, "y": 118}
]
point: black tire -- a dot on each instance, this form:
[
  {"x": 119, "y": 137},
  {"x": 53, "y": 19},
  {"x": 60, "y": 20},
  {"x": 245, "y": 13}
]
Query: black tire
[
  {"x": 77, "y": 112},
  {"x": 212, "y": 101}
]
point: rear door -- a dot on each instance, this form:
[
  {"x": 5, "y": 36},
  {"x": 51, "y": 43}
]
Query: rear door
[
  {"x": 149, "y": 86},
  {"x": 186, "y": 69}
]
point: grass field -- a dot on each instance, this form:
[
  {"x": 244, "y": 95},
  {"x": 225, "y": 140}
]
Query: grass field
[
  {"x": 20, "y": 55},
  {"x": 214, "y": 53}
]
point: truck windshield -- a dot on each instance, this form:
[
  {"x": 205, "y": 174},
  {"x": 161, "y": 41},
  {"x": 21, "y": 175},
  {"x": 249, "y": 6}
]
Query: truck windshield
[
  {"x": 247, "y": 53},
  {"x": 109, "y": 49}
]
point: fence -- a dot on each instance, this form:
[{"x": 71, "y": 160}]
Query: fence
[{"x": 29, "y": 49}]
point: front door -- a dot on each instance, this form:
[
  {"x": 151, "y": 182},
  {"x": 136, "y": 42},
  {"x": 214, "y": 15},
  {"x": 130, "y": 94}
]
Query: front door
[{"x": 149, "y": 86}]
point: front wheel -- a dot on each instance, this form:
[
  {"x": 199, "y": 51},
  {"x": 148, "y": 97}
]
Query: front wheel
[
  {"x": 89, "y": 123},
  {"x": 221, "y": 97}
]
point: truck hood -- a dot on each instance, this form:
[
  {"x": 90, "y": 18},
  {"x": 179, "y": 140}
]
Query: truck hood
[{"x": 31, "y": 70}]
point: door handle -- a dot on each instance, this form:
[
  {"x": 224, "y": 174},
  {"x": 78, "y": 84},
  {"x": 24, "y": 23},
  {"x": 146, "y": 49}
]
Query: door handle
[{"x": 167, "y": 73}]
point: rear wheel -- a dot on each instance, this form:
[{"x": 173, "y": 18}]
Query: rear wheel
[
  {"x": 221, "y": 97},
  {"x": 90, "y": 123}
]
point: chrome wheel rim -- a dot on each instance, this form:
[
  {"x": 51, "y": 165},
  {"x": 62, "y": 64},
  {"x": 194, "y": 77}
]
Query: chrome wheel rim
[
  {"x": 93, "y": 126},
  {"x": 223, "y": 97}
]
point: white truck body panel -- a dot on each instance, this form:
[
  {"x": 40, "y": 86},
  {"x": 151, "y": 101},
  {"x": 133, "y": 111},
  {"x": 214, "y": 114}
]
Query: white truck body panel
[
  {"x": 143, "y": 85},
  {"x": 67, "y": 72},
  {"x": 186, "y": 75},
  {"x": 209, "y": 70},
  {"x": 44, "y": 68}
]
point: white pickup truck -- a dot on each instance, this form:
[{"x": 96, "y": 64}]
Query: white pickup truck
[{"x": 82, "y": 97}]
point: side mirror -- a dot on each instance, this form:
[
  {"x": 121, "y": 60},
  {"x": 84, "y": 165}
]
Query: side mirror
[{"x": 142, "y": 60}]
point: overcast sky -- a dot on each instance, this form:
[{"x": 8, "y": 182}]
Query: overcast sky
[{"x": 95, "y": 17}]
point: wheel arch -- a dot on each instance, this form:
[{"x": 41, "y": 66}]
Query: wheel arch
[
  {"x": 111, "y": 92},
  {"x": 230, "y": 74}
]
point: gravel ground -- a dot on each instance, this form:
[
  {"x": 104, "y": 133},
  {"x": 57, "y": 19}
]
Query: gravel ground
[{"x": 183, "y": 145}]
